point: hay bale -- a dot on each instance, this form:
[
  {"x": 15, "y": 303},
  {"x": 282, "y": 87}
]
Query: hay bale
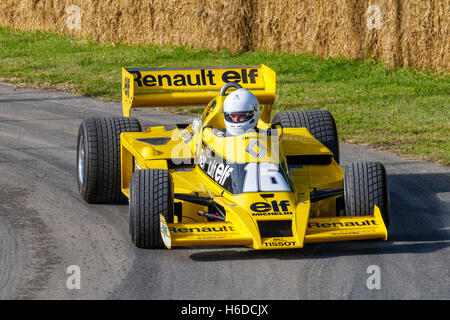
[
  {"x": 411, "y": 33},
  {"x": 319, "y": 27},
  {"x": 425, "y": 34}
]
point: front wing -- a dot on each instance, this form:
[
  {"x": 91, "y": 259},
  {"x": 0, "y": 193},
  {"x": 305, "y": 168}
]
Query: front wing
[{"x": 242, "y": 230}]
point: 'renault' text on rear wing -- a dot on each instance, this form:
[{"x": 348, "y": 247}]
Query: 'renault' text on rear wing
[{"x": 173, "y": 87}]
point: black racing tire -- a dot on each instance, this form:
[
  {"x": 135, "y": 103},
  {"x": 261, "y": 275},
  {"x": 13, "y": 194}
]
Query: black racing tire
[
  {"x": 365, "y": 185},
  {"x": 320, "y": 123},
  {"x": 151, "y": 194},
  {"x": 98, "y": 158}
]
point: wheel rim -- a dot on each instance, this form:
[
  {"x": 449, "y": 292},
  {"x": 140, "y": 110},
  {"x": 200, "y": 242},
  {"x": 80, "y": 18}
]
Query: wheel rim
[{"x": 81, "y": 161}]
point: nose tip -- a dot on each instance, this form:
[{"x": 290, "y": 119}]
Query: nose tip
[{"x": 237, "y": 117}]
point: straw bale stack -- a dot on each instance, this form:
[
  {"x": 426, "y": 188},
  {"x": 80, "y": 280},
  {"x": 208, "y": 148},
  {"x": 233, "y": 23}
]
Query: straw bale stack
[{"x": 402, "y": 32}]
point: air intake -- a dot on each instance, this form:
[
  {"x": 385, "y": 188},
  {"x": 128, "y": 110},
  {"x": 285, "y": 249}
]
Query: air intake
[{"x": 270, "y": 229}]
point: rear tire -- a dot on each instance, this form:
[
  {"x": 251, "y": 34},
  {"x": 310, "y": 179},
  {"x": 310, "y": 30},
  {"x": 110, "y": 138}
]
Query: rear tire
[
  {"x": 151, "y": 194},
  {"x": 98, "y": 158},
  {"x": 320, "y": 123},
  {"x": 365, "y": 185}
]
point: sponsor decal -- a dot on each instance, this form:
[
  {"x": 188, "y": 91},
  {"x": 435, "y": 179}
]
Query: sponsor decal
[
  {"x": 210, "y": 238},
  {"x": 260, "y": 151},
  {"x": 126, "y": 87},
  {"x": 365, "y": 223},
  {"x": 165, "y": 234},
  {"x": 273, "y": 208},
  {"x": 265, "y": 214},
  {"x": 203, "y": 229},
  {"x": 214, "y": 166},
  {"x": 193, "y": 78},
  {"x": 274, "y": 205},
  {"x": 344, "y": 233},
  {"x": 279, "y": 243}
]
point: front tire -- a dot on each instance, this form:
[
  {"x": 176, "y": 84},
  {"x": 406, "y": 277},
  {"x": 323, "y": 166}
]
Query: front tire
[
  {"x": 151, "y": 194},
  {"x": 98, "y": 158},
  {"x": 365, "y": 185}
]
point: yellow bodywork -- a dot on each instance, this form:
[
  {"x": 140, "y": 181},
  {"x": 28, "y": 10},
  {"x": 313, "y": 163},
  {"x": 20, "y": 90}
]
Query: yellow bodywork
[{"x": 181, "y": 151}]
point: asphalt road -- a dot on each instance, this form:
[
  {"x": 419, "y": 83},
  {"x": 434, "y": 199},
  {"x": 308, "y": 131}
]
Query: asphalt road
[{"x": 45, "y": 227}]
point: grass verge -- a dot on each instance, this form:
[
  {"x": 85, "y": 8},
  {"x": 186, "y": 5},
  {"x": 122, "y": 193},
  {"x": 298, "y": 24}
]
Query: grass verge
[{"x": 401, "y": 111}]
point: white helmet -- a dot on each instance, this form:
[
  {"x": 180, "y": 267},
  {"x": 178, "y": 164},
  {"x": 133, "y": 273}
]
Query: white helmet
[{"x": 240, "y": 111}]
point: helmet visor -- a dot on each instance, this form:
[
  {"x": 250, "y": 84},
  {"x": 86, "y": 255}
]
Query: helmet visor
[{"x": 237, "y": 117}]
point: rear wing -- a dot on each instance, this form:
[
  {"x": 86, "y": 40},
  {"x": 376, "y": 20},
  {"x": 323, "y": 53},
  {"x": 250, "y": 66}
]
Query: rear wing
[{"x": 172, "y": 87}]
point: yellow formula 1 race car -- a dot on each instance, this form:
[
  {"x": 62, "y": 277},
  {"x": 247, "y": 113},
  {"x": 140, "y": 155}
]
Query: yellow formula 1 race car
[{"x": 278, "y": 186}]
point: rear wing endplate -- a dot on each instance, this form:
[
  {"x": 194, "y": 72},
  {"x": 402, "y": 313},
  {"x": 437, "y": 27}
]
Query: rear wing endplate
[{"x": 172, "y": 87}]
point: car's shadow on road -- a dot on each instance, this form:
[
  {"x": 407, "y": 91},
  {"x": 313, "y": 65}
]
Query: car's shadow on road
[
  {"x": 321, "y": 251},
  {"x": 419, "y": 211}
]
